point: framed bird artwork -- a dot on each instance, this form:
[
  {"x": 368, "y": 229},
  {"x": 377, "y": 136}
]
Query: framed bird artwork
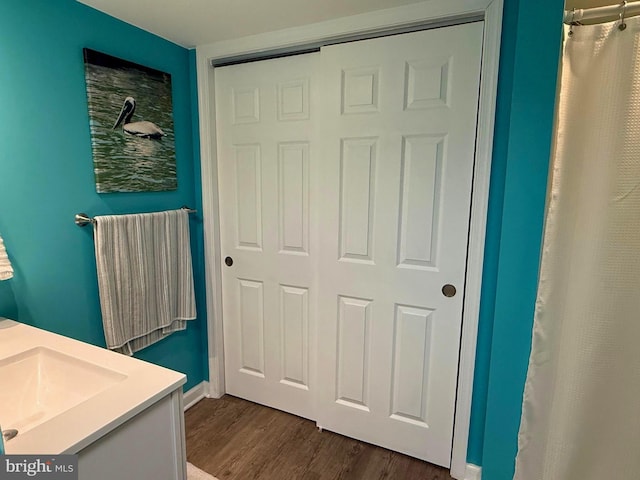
[{"x": 131, "y": 122}]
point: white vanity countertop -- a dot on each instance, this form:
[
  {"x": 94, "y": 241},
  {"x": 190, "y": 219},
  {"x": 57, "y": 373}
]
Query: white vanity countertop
[{"x": 72, "y": 430}]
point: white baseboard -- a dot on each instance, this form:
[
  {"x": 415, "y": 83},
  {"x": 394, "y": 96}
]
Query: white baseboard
[
  {"x": 195, "y": 394},
  {"x": 472, "y": 472}
]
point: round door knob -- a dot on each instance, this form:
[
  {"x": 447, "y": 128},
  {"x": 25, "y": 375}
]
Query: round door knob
[
  {"x": 228, "y": 261},
  {"x": 448, "y": 290}
]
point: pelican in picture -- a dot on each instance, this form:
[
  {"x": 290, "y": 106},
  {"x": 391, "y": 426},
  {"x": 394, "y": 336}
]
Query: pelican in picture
[{"x": 143, "y": 128}]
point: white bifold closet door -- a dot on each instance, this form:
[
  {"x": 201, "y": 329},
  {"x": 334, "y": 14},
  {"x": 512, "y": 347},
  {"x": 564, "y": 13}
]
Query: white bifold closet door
[
  {"x": 345, "y": 186},
  {"x": 399, "y": 128},
  {"x": 265, "y": 116}
]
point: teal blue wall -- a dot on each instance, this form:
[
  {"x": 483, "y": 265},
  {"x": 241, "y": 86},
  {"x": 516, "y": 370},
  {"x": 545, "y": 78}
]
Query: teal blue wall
[
  {"x": 46, "y": 173},
  {"x": 524, "y": 123},
  {"x": 492, "y": 239}
]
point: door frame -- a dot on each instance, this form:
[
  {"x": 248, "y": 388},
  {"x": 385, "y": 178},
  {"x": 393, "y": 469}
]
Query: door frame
[{"x": 427, "y": 14}]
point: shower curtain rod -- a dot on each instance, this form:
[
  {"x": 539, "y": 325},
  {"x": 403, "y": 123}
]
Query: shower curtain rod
[{"x": 610, "y": 12}]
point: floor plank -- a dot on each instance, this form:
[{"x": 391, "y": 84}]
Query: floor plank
[{"x": 234, "y": 439}]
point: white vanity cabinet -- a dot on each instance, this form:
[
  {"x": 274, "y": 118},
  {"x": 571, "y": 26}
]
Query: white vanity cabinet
[
  {"x": 149, "y": 446},
  {"x": 123, "y": 417}
]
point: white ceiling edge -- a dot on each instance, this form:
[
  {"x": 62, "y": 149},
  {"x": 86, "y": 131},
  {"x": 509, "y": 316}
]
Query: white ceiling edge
[
  {"x": 211, "y": 21},
  {"x": 315, "y": 34}
]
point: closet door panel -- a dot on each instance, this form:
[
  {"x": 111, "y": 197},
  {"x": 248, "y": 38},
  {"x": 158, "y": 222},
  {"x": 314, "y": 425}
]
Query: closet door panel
[
  {"x": 266, "y": 113},
  {"x": 398, "y": 131}
]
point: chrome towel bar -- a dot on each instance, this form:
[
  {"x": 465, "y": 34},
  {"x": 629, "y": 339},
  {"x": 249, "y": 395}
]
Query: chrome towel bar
[{"x": 82, "y": 219}]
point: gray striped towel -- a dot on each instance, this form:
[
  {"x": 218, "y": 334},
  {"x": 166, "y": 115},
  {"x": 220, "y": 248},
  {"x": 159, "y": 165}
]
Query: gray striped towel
[
  {"x": 145, "y": 277},
  {"x": 6, "y": 271}
]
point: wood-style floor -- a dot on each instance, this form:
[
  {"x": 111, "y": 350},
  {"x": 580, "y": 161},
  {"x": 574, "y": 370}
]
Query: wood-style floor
[{"x": 234, "y": 439}]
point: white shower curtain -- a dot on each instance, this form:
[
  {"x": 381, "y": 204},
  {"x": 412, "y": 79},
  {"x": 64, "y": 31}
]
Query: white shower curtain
[{"x": 581, "y": 409}]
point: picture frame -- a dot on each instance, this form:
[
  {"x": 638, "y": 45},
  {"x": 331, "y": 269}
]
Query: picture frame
[{"x": 131, "y": 123}]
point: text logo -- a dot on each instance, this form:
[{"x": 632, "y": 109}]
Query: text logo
[{"x": 50, "y": 467}]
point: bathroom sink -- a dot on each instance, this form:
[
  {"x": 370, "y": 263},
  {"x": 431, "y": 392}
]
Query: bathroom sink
[
  {"x": 40, "y": 383},
  {"x": 63, "y": 395}
]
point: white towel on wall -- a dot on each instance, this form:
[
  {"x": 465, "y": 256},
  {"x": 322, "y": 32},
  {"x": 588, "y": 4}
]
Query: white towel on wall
[
  {"x": 6, "y": 271},
  {"x": 145, "y": 277}
]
